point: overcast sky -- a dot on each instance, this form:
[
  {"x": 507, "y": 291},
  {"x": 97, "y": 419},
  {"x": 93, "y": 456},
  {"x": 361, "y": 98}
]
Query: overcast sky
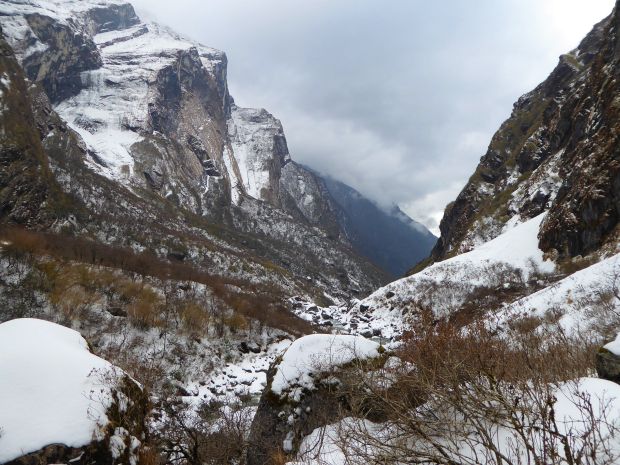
[{"x": 397, "y": 98}]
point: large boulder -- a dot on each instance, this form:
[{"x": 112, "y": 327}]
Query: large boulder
[
  {"x": 308, "y": 387},
  {"x": 608, "y": 361},
  {"x": 60, "y": 403}
]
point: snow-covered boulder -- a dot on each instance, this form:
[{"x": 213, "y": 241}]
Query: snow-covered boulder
[
  {"x": 58, "y": 400},
  {"x": 608, "y": 361},
  {"x": 315, "y": 354},
  {"x": 308, "y": 387}
]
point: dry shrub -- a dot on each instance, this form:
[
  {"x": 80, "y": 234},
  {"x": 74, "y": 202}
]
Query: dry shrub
[
  {"x": 213, "y": 435},
  {"x": 257, "y": 301},
  {"x": 236, "y": 322},
  {"x": 463, "y": 388},
  {"x": 71, "y": 288},
  {"x": 194, "y": 316},
  {"x": 572, "y": 265},
  {"x": 149, "y": 456},
  {"x": 278, "y": 457},
  {"x": 144, "y": 307}
]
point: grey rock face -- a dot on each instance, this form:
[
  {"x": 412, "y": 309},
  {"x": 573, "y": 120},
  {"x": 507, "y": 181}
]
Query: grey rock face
[
  {"x": 557, "y": 152},
  {"x": 25, "y": 184},
  {"x": 272, "y": 425},
  {"x": 304, "y": 193},
  {"x": 59, "y": 72}
]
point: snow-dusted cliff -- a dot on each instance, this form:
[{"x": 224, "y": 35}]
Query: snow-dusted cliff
[{"x": 153, "y": 115}]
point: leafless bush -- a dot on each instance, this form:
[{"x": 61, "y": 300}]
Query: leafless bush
[
  {"x": 470, "y": 397},
  {"x": 212, "y": 434},
  {"x": 260, "y": 302},
  {"x": 601, "y": 305}
]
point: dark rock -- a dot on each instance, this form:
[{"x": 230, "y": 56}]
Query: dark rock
[
  {"x": 60, "y": 453},
  {"x": 316, "y": 408},
  {"x": 573, "y": 114},
  {"x": 117, "y": 311},
  {"x": 247, "y": 347},
  {"x": 58, "y": 68},
  {"x": 389, "y": 294},
  {"x": 182, "y": 392},
  {"x": 110, "y": 18},
  {"x": 608, "y": 365},
  {"x": 176, "y": 255},
  {"x": 154, "y": 179}
]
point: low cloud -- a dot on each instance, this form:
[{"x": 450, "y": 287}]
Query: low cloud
[{"x": 397, "y": 99}]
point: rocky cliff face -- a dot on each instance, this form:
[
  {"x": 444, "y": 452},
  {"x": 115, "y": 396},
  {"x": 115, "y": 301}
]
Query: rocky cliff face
[
  {"x": 137, "y": 120},
  {"x": 558, "y": 152}
]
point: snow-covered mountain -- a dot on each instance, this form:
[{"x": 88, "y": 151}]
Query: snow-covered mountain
[
  {"x": 528, "y": 257},
  {"x": 556, "y": 153},
  {"x": 543, "y": 202},
  {"x": 390, "y": 239},
  {"x": 175, "y": 231},
  {"x": 143, "y": 121}
]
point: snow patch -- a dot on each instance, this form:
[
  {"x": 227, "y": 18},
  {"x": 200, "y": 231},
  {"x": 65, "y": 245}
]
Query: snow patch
[
  {"x": 614, "y": 346},
  {"x": 51, "y": 388},
  {"x": 319, "y": 353}
]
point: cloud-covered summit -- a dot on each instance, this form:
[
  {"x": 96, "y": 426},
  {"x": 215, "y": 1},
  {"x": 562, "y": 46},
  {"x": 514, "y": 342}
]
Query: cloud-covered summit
[{"x": 398, "y": 99}]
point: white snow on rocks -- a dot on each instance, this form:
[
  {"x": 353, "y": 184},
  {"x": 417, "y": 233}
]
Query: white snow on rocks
[
  {"x": 117, "y": 94},
  {"x": 112, "y": 109},
  {"x": 571, "y": 296},
  {"x": 614, "y": 346},
  {"x": 319, "y": 353},
  {"x": 247, "y": 376},
  {"x": 253, "y": 137},
  {"x": 517, "y": 247},
  {"x": 514, "y": 255},
  {"x": 52, "y": 389}
]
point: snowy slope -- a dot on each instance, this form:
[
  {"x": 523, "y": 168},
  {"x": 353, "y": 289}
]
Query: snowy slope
[
  {"x": 506, "y": 260},
  {"x": 571, "y": 298},
  {"x": 52, "y": 388}
]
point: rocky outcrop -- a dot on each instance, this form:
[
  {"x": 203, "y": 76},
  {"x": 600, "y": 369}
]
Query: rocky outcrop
[
  {"x": 59, "y": 72},
  {"x": 25, "y": 178},
  {"x": 305, "y": 194},
  {"x": 111, "y": 17},
  {"x": 558, "y": 152},
  {"x": 608, "y": 365},
  {"x": 86, "y": 411},
  {"x": 314, "y": 383},
  {"x": 119, "y": 445}
]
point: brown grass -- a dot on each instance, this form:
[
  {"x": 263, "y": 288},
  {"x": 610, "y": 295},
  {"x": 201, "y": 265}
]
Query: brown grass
[{"x": 254, "y": 301}]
